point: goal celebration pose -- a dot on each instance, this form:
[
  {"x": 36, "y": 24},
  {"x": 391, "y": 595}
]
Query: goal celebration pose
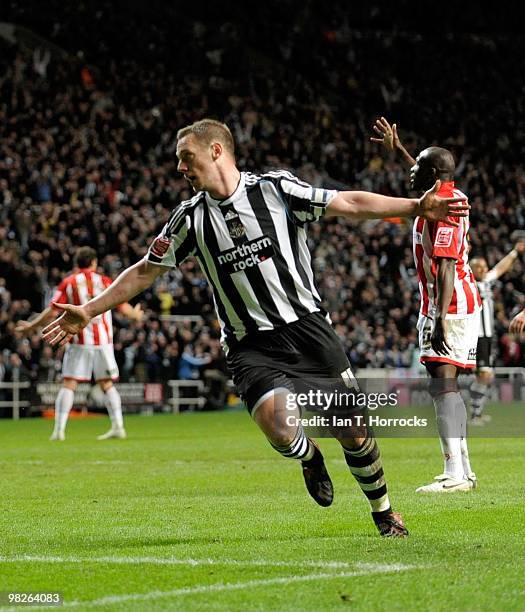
[{"x": 248, "y": 233}]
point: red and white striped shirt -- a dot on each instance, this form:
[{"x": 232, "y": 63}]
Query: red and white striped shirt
[
  {"x": 78, "y": 289},
  {"x": 433, "y": 240}
]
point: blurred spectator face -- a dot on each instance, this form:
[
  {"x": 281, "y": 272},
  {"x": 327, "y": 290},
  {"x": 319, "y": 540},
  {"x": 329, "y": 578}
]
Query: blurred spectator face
[
  {"x": 35, "y": 341},
  {"x": 479, "y": 267},
  {"x": 14, "y": 360}
]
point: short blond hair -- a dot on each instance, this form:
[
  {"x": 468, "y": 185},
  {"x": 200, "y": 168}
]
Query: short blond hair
[{"x": 208, "y": 131}]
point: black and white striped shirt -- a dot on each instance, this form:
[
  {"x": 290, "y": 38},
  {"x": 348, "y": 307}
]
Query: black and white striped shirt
[
  {"x": 486, "y": 286},
  {"x": 252, "y": 248}
]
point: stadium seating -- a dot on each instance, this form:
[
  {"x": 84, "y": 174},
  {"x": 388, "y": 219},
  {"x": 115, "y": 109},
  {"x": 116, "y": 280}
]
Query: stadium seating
[{"x": 87, "y": 157}]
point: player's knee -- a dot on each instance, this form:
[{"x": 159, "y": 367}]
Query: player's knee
[
  {"x": 281, "y": 438},
  {"x": 277, "y": 432},
  {"x": 69, "y": 383},
  {"x": 442, "y": 382},
  {"x": 351, "y": 443},
  {"x": 439, "y": 386},
  {"x": 105, "y": 385}
]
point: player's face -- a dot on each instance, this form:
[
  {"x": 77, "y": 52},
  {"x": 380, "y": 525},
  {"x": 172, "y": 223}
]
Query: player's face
[
  {"x": 479, "y": 268},
  {"x": 422, "y": 175},
  {"x": 195, "y": 162}
]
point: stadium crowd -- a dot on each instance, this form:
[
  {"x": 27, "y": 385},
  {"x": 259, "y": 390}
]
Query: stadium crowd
[{"x": 87, "y": 157}]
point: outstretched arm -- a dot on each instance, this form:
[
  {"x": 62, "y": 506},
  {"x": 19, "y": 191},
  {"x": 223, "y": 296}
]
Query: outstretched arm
[
  {"x": 29, "y": 327},
  {"x": 505, "y": 264},
  {"x": 359, "y": 205},
  {"x": 132, "y": 281},
  {"x": 387, "y": 136}
]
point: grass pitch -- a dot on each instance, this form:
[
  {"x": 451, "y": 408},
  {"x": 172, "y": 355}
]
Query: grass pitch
[{"x": 196, "y": 512}]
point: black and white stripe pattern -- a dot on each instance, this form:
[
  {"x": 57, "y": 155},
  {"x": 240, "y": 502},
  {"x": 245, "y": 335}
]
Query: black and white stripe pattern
[
  {"x": 486, "y": 286},
  {"x": 252, "y": 248},
  {"x": 297, "y": 449},
  {"x": 367, "y": 468},
  {"x": 478, "y": 398}
]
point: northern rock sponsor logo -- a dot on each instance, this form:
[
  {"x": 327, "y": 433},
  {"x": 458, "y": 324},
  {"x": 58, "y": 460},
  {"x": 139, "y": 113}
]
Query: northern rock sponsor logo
[{"x": 246, "y": 255}]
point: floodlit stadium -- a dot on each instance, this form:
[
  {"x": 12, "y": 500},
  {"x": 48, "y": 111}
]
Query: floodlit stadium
[{"x": 232, "y": 232}]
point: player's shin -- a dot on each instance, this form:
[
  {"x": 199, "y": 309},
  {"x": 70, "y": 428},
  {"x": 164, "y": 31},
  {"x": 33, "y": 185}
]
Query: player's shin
[
  {"x": 281, "y": 425},
  {"x": 367, "y": 468},
  {"x": 465, "y": 459},
  {"x": 461, "y": 420},
  {"x": 451, "y": 424},
  {"x": 113, "y": 404},
  {"x": 63, "y": 405},
  {"x": 478, "y": 398},
  {"x": 286, "y": 435},
  {"x": 316, "y": 477}
]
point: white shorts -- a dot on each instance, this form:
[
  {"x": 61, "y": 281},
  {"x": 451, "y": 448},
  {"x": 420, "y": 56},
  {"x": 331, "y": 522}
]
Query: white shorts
[
  {"x": 461, "y": 336},
  {"x": 82, "y": 362}
]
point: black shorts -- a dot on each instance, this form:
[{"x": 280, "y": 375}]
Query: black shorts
[
  {"x": 484, "y": 355},
  {"x": 307, "y": 349}
]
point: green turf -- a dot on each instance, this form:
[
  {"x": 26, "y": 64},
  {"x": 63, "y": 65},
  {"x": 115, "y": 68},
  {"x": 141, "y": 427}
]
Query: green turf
[{"x": 208, "y": 488}]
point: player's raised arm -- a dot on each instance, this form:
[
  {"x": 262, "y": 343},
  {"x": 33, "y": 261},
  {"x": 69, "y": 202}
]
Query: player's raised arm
[
  {"x": 359, "y": 205},
  {"x": 388, "y": 137},
  {"x": 506, "y": 263},
  {"x": 132, "y": 281}
]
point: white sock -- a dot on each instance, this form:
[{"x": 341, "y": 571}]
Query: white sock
[
  {"x": 448, "y": 418},
  {"x": 465, "y": 457},
  {"x": 461, "y": 422},
  {"x": 461, "y": 415},
  {"x": 310, "y": 453},
  {"x": 113, "y": 404},
  {"x": 63, "y": 404}
]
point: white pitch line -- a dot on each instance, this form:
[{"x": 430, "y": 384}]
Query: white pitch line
[
  {"x": 197, "y": 562},
  {"x": 232, "y": 586}
]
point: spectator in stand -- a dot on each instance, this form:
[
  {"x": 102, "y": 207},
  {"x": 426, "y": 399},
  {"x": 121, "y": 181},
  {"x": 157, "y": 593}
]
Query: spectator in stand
[
  {"x": 86, "y": 156},
  {"x": 192, "y": 361}
]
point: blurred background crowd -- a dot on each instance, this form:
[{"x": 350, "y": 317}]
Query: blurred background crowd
[{"x": 93, "y": 93}]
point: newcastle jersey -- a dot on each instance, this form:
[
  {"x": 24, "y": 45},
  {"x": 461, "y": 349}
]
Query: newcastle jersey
[
  {"x": 252, "y": 248},
  {"x": 486, "y": 287}
]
